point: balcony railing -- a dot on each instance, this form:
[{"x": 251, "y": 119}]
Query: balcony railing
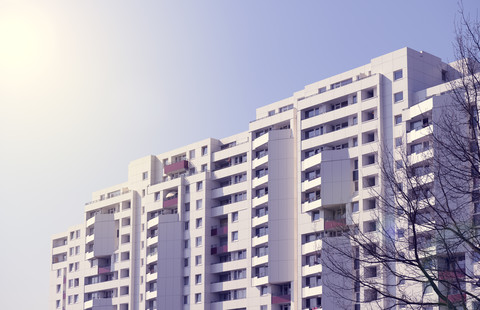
[
  {"x": 218, "y": 249},
  {"x": 181, "y": 165},
  {"x": 218, "y": 231},
  {"x": 104, "y": 269},
  {"x": 281, "y": 299},
  {"x": 172, "y": 202},
  {"x": 333, "y": 224}
]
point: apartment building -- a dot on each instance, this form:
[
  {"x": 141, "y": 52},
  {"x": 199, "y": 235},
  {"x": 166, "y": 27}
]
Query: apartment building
[{"x": 238, "y": 222}]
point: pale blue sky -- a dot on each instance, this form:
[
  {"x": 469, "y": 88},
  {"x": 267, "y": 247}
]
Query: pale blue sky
[{"x": 88, "y": 86}]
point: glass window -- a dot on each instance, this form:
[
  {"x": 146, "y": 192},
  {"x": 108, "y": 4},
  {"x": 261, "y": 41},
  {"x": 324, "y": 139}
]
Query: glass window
[
  {"x": 398, "y": 96},
  {"x": 398, "y": 119},
  {"x": 397, "y": 75}
]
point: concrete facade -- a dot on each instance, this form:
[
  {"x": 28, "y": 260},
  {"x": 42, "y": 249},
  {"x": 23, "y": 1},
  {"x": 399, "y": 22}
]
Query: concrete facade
[{"x": 237, "y": 223}]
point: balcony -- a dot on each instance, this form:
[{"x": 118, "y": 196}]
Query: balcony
[
  {"x": 259, "y": 200},
  {"x": 104, "y": 269},
  {"x": 281, "y": 299},
  {"x": 311, "y": 204},
  {"x": 179, "y": 166},
  {"x": 311, "y": 291},
  {"x": 259, "y": 260},
  {"x": 454, "y": 298},
  {"x": 218, "y": 249},
  {"x": 311, "y": 183},
  {"x": 170, "y": 203},
  {"x": 259, "y": 220},
  {"x": 335, "y": 224},
  {"x": 219, "y": 231},
  {"x": 451, "y": 275}
]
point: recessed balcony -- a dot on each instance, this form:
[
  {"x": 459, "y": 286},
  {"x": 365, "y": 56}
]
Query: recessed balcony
[
  {"x": 219, "y": 231},
  {"x": 170, "y": 202},
  {"x": 179, "y": 166},
  {"x": 218, "y": 249},
  {"x": 104, "y": 269},
  {"x": 335, "y": 224},
  {"x": 281, "y": 299}
]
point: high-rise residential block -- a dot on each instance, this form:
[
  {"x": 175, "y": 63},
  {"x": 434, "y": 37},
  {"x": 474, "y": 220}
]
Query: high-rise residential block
[{"x": 237, "y": 223}]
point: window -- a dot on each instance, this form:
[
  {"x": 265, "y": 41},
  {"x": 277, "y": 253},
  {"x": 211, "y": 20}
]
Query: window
[
  {"x": 398, "y": 119},
  {"x": 199, "y": 204},
  {"x": 234, "y": 235},
  {"x": 199, "y": 186},
  {"x": 398, "y": 142},
  {"x": 398, "y": 164},
  {"x": 198, "y": 260},
  {"x": 355, "y": 206},
  {"x": 187, "y": 189},
  {"x": 186, "y": 243},
  {"x": 185, "y": 262},
  {"x": 187, "y": 206},
  {"x": 204, "y": 167},
  {"x": 145, "y": 175},
  {"x": 397, "y": 75},
  {"x": 264, "y": 291},
  {"x": 57, "y": 304},
  {"x": 315, "y": 215},
  {"x": 185, "y": 299},
  {"x": 354, "y": 120},
  {"x": 58, "y": 288},
  {"x": 192, "y": 154},
  {"x": 59, "y": 273},
  {"x": 370, "y": 295},
  {"x": 354, "y": 99},
  {"x": 234, "y": 217},
  {"x": 198, "y": 241},
  {"x": 398, "y": 97},
  {"x": 186, "y": 280},
  {"x": 272, "y": 112},
  {"x": 199, "y": 222},
  {"x": 204, "y": 150},
  {"x": 370, "y": 226},
  {"x": 198, "y": 278},
  {"x": 427, "y": 288},
  {"x": 198, "y": 298},
  {"x": 77, "y": 233},
  {"x": 75, "y": 298},
  {"x": 186, "y": 225},
  {"x": 355, "y": 141}
]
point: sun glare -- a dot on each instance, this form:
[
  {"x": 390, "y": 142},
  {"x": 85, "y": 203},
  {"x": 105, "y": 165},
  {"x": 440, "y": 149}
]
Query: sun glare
[{"x": 25, "y": 39}]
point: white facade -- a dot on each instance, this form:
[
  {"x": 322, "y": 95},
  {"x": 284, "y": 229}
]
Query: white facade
[{"x": 234, "y": 223}]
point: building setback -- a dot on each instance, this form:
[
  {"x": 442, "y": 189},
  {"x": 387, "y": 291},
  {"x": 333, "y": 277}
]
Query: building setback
[{"x": 233, "y": 223}]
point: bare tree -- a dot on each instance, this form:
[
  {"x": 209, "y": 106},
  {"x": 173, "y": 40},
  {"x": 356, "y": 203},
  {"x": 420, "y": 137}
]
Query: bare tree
[{"x": 424, "y": 242}]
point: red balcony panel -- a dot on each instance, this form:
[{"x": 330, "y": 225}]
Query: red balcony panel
[
  {"x": 223, "y": 249},
  {"x": 451, "y": 275},
  {"x": 334, "y": 224},
  {"x": 282, "y": 299},
  {"x": 105, "y": 269},
  {"x": 173, "y": 202},
  {"x": 223, "y": 230},
  {"x": 456, "y": 297},
  {"x": 176, "y": 167}
]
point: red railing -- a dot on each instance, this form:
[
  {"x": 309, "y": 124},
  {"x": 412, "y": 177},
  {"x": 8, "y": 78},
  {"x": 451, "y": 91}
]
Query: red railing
[
  {"x": 333, "y": 224},
  {"x": 281, "y": 299},
  {"x": 176, "y": 167},
  {"x": 219, "y": 249},
  {"x": 170, "y": 202},
  {"x": 105, "y": 269}
]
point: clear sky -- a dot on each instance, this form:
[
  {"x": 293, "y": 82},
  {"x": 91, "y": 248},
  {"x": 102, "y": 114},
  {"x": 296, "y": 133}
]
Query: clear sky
[{"x": 88, "y": 86}]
